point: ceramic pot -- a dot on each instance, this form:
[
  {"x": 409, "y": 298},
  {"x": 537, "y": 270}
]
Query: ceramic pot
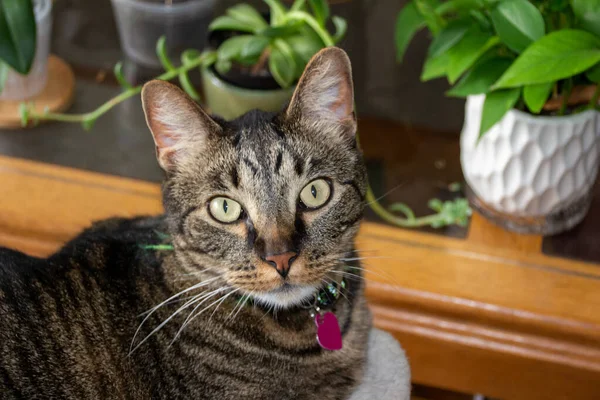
[
  {"x": 531, "y": 174},
  {"x": 230, "y": 101},
  {"x": 22, "y": 87}
]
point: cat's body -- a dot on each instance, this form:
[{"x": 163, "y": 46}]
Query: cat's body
[
  {"x": 263, "y": 208},
  {"x": 68, "y": 323}
]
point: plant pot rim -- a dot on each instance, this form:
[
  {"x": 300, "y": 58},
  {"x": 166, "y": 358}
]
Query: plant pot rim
[
  {"x": 542, "y": 118},
  {"x": 218, "y": 81},
  {"x": 176, "y": 8}
]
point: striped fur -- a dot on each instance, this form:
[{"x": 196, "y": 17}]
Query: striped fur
[{"x": 77, "y": 325}]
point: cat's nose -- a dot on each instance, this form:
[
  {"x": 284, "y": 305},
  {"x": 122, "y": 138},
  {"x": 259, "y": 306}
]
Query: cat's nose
[{"x": 282, "y": 262}]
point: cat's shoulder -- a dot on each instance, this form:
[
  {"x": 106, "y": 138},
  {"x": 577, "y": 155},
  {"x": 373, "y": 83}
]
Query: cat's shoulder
[{"x": 108, "y": 244}]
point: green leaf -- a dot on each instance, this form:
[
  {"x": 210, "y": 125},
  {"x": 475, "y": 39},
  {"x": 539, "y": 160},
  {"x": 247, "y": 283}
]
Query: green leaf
[
  {"x": 282, "y": 68},
  {"x": 535, "y": 96},
  {"x": 231, "y": 49},
  {"x": 18, "y": 34},
  {"x": 404, "y": 209},
  {"x": 277, "y": 11},
  {"x": 435, "y": 67},
  {"x": 408, "y": 23},
  {"x": 24, "y": 114},
  {"x": 593, "y": 74},
  {"x": 161, "y": 52},
  {"x": 462, "y": 6},
  {"x": 227, "y": 23},
  {"x": 518, "y": 23},
  {"x": 588, "y": 14},
  {"x": 481, "y": 19},
  {"x": 341, "y": 26},
  {"x": 118, "y": 72},
  {"x": 558, "y": 55},
  {"x": 305, "y": 46},
  {"x": 188, "y": 57},
  {"x": 298, "y": 5},
  {"x": 448, "y": 37},
  {"x": 481, "y": 77},
  {"x": 320, "y": 10},
  {"x": 435, "y": 204},
  {"x": 254, "y": 47},
  {"x": 4, "y": 68},
  {"x": 247, "y": 15},
  {"x": 88, "y": 124},
  {"x": 223, "y": 66},
  {"x": 495, "y": 107},
  {"x": 427, "y": 8},
  {"x": 291, "y": 28},
  {"x": 464, "y": 54}
]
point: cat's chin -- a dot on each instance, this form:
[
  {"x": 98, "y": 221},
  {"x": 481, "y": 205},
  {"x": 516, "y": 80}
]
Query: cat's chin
[{"x": 286, "y": 296}]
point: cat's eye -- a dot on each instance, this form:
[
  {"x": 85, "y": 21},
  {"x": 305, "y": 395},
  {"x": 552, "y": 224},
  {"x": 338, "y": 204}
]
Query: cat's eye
[
  {"x": 315, "y": 194},
  {"x": 225, "y": 210}
]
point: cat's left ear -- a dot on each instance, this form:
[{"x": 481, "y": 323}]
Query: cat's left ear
[
  {"x": 179, "y": 126},
  {"x": 324, "y": 97}
]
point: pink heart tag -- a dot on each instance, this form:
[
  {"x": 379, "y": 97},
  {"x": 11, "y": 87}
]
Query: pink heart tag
[{"x": 329, "y": 335}]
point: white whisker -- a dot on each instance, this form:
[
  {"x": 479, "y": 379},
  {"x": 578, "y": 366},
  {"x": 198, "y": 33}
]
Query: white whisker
[
  {"x": 209, "y": 306},
  {"x": 364, "y": 258},
  {"x": 153, "y": 310},
  {"x": 248, "y": 297},
  {"x": 204, "y": 298}
]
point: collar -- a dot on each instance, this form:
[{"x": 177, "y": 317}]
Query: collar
[{"x": 328, "y": 295}]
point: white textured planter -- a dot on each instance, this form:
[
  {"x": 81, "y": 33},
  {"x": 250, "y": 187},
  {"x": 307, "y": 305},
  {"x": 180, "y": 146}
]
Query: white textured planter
[{"x": 532, "y": 174}]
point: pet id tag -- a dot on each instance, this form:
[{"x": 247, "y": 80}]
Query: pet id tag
[{"x": 329, "y": 334}]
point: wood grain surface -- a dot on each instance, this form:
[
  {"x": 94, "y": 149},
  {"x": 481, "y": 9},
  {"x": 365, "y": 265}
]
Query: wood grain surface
[{"x": 490, "y": 314}]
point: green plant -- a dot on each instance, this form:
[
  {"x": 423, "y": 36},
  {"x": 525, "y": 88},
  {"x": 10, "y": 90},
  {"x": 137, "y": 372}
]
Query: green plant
[
  {"x": 452, "y": 212},
  {"x": 288, "y": 42},
  {"x": 518, "y": 53},
  {"x": 18, "y": 35}
]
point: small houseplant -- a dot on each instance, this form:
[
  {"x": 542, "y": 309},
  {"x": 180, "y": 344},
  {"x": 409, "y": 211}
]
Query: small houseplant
[
  {"x": 25, "y": 27},
  {"x": 260, "y": 57},
  {"x": 530, "y": 73}
]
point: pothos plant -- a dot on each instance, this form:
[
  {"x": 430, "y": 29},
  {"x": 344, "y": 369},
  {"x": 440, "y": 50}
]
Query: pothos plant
[
  {"x": 285, "y": 42},
  {"x": 539, "y": 56},
  {"x": 18, "y": 37}
]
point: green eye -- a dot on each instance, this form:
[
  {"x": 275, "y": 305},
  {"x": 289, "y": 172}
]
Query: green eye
[
  {"x": 315, "y": 194},
  {"x": 225, "y": 210}
]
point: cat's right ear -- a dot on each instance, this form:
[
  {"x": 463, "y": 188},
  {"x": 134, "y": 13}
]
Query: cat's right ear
[{"x": 177, "y": 123}]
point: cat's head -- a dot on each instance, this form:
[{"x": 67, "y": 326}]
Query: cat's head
[{"x": 269, "y": 202}]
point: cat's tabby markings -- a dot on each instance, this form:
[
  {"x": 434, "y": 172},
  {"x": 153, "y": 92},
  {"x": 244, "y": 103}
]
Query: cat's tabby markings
[{"x": 265, "y": 208}]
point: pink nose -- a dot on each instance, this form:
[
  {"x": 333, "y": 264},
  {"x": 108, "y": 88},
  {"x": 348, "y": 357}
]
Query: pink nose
[{"x": 282, "y": 262}]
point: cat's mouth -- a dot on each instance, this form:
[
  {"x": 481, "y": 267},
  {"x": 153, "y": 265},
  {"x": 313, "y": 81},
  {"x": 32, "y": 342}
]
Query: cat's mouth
[{"x": 287, "y": 295}]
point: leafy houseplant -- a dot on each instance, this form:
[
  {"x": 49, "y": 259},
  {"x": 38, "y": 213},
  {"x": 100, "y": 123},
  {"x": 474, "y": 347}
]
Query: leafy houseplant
[
  {"x": 526, "y": 67},
  {"x": 260, "y": 57}
]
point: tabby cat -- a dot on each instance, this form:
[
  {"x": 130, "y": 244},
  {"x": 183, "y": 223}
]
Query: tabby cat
[{"x": 216, "y": 299}]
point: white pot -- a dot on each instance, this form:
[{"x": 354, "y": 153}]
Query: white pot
[
  {"x": 22, "y": 87},
  {"x": 532, "y": 167}
]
